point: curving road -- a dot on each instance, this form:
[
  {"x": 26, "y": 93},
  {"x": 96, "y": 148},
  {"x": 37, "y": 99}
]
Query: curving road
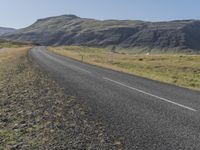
[{"x": 147, "y": 114}]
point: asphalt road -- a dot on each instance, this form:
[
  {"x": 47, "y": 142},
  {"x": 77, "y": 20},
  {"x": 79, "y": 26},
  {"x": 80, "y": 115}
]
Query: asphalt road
[{"x": 147, "y": 114}]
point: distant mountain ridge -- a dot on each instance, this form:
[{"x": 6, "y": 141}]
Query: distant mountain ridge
[
  {"x": 73, "y": 30},
  {"x": 4, "y": 30}
]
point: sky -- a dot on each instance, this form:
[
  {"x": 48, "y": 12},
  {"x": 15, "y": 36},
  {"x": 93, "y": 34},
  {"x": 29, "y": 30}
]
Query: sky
[{"x": 22, "y": 13}]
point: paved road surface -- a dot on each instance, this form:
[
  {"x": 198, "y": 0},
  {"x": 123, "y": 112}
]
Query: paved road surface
[{"x": 146, "y": 113}]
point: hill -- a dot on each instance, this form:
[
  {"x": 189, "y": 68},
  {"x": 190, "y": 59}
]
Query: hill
[
  {"x": 4, "y": 30},
  {"x": 72, "y": 30}
]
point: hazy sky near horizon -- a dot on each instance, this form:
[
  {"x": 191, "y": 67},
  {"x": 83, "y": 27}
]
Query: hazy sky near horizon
[{"x": 21, "y": 13}]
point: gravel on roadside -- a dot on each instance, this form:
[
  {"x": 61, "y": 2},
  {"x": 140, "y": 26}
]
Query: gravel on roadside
[{"x": 35, "y": 113}]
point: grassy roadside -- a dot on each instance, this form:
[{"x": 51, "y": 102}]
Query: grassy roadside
[
  {"x": 35, "y": 113},
  {"x": 179, "y": 69},
  {"x": 7, "y": 44}
]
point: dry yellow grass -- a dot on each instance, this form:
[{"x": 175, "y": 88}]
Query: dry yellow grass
[
  {"x": 180, "y": 69},
  {"x": 11, "y": 54}
]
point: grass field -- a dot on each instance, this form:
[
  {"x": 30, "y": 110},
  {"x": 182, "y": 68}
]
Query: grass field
[
  {"x": 179, "y": 69},
  {"x": 9, "y": 56},
  {"x": 7, "y": 44}
]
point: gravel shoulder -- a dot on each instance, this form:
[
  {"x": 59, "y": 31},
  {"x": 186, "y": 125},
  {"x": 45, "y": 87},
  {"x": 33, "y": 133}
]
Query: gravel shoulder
[{"x": 35, "y": 113}]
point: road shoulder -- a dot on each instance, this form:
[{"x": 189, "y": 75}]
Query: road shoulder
[{"x": 37, "y": 114}]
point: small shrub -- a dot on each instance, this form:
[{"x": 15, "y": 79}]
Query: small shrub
[{"x": 141, "y": 59}]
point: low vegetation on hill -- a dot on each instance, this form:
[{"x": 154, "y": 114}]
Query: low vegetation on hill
[
  {"x": 35, "y": 113},
  {"x": 179, "y": 69}
]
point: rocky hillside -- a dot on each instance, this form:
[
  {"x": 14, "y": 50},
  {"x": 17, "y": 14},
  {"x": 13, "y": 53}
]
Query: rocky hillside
[
  {"x": 73, "y": 30},
  {"x": 4, "y": 30}
]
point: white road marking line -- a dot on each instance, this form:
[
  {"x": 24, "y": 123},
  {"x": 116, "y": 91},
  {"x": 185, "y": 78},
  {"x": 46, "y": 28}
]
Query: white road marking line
[
  {"x": 138, "y": 90},
  {"x": 64, "y": 64}
]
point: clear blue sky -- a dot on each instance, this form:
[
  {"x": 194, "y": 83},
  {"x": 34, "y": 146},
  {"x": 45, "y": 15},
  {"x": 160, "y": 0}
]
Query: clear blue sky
[{"x": 21, "y": 13}]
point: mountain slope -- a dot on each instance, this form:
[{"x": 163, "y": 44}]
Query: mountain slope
[
  {"x": 4, "y": 30},
  {"x": 73, "y": 30}
]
